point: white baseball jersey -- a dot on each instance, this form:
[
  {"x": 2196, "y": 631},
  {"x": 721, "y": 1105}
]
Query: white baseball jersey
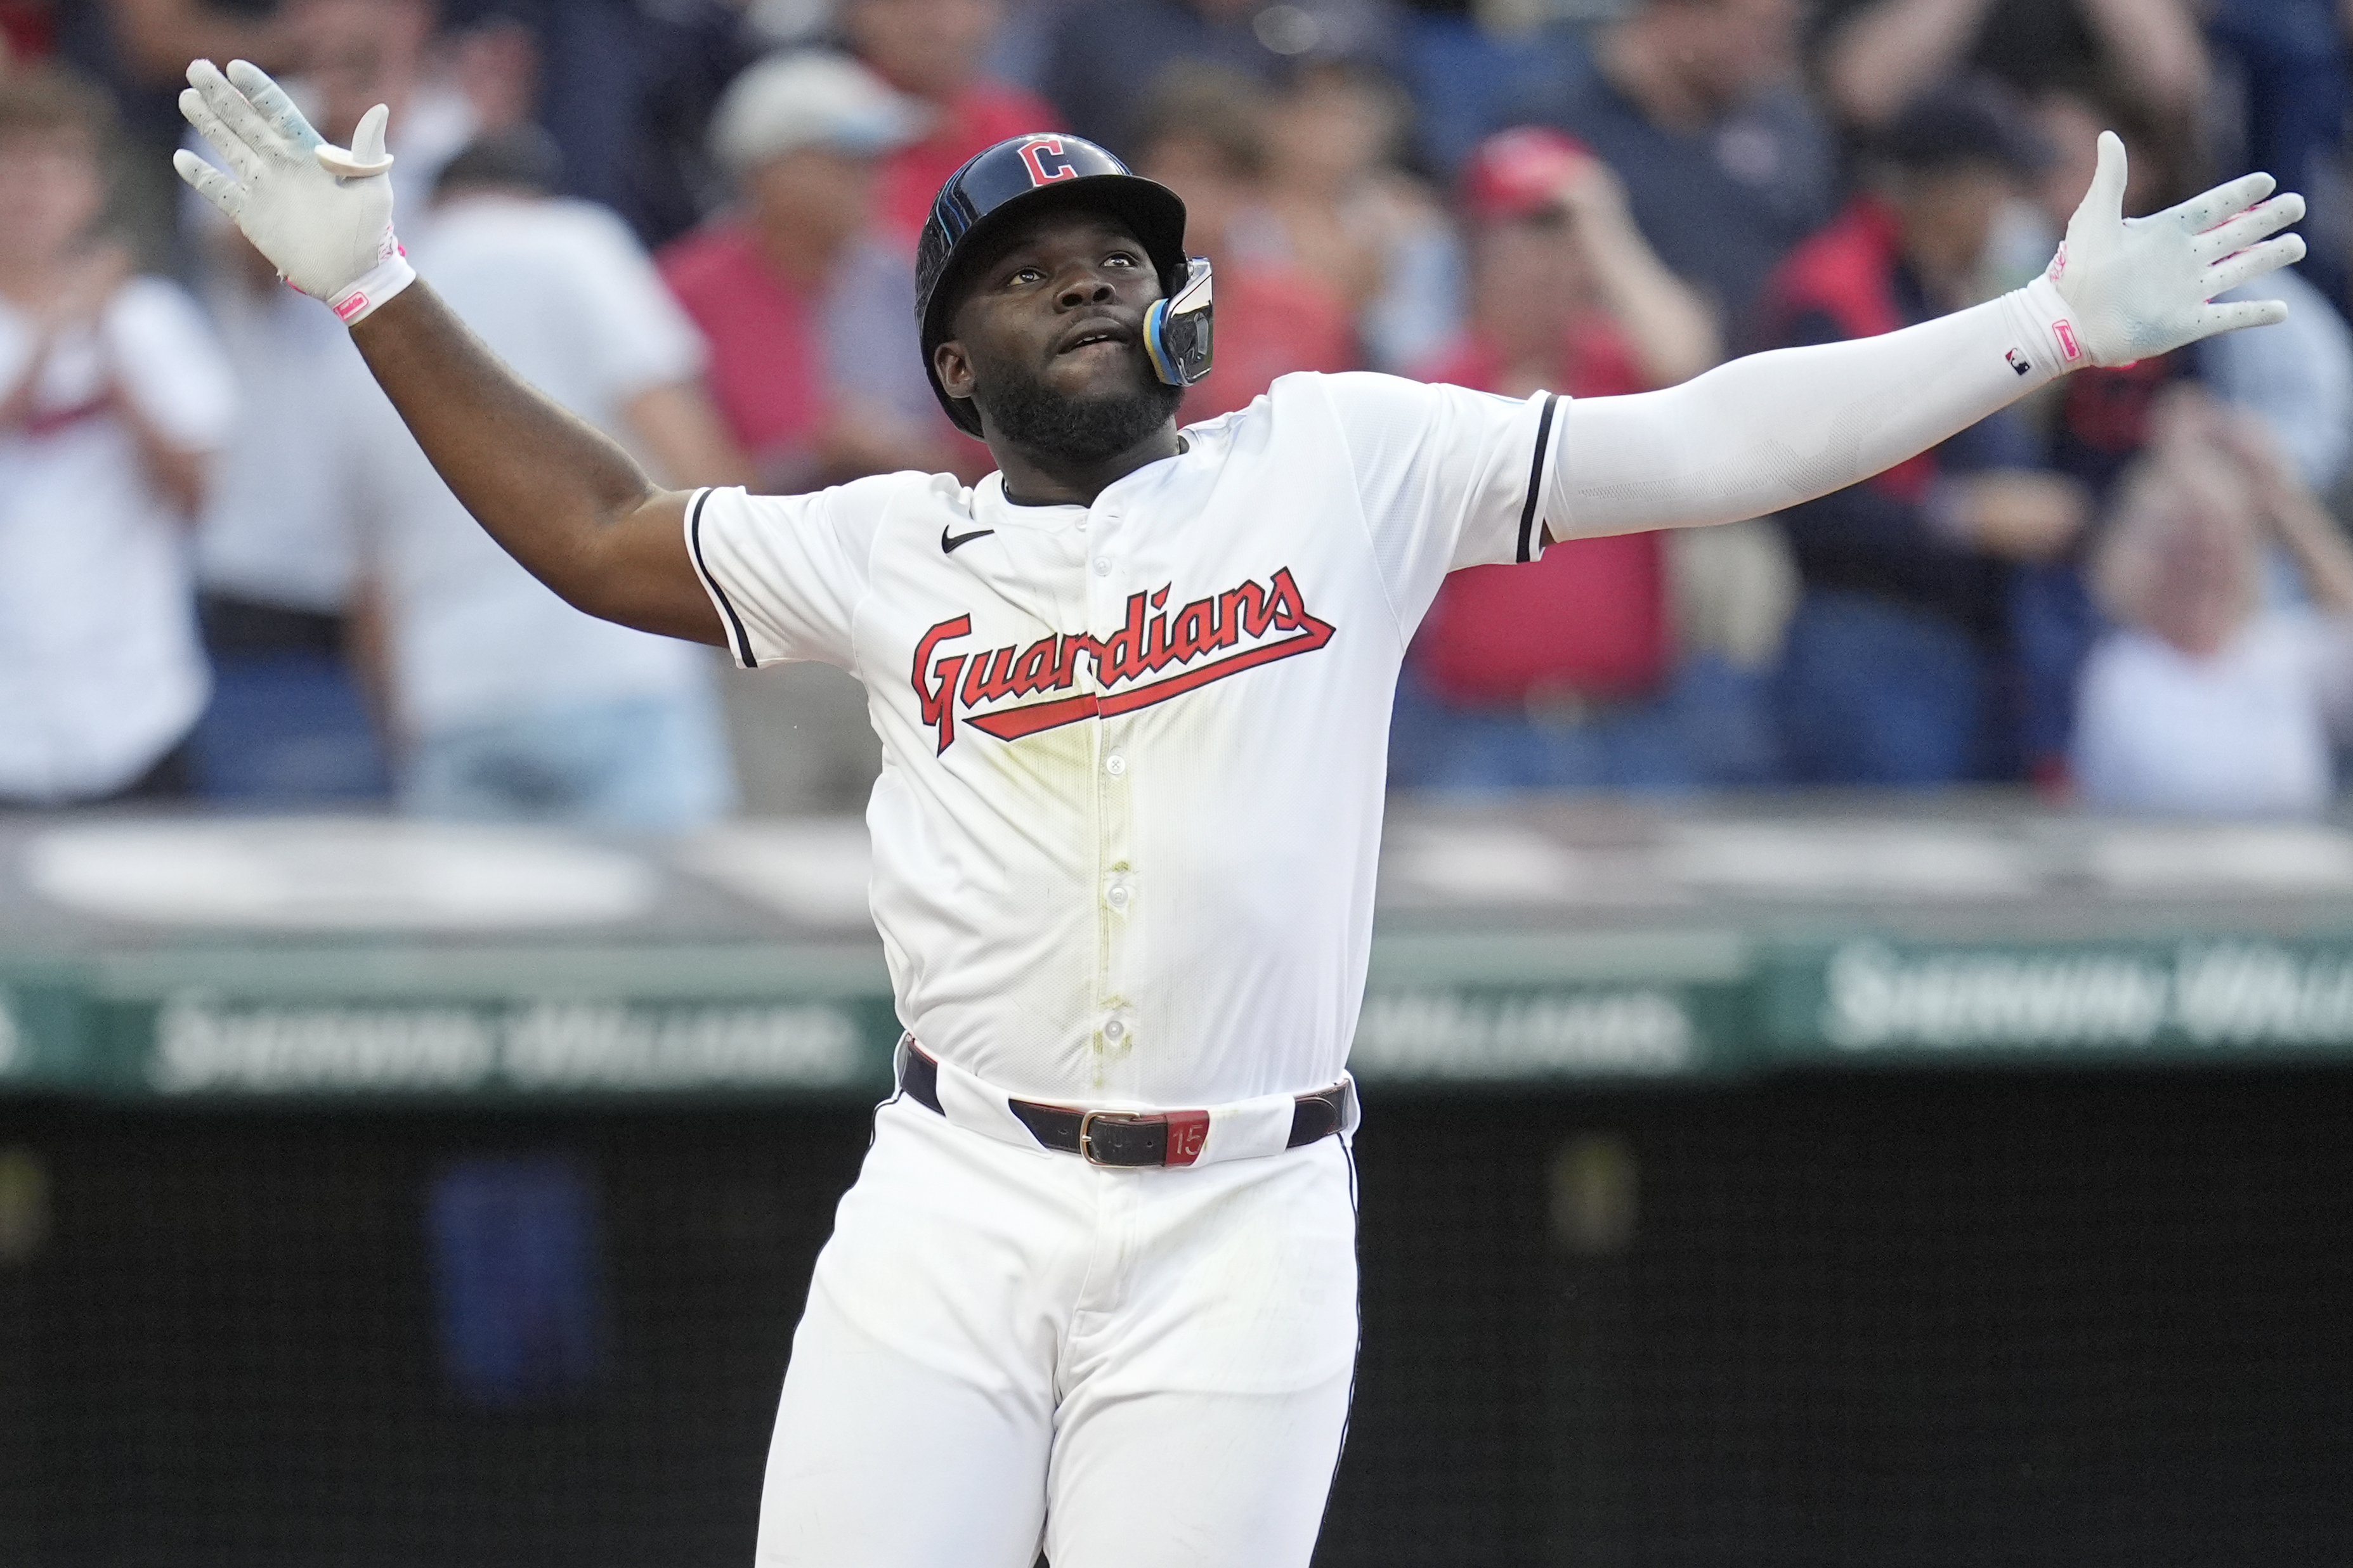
[{"x": 1133, "y": 753}]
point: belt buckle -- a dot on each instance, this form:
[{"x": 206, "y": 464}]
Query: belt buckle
[{"x": 1086, "y": 1137}]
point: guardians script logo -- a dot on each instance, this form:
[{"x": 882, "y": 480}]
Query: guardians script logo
[{"x": 1159, "y": 654}]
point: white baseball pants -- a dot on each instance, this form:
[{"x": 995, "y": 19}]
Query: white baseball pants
[{"x": 1005, "y": 1347}]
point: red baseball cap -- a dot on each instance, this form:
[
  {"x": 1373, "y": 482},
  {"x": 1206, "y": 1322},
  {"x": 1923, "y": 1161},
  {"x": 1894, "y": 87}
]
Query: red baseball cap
[{"x": 1518, "y": 172}]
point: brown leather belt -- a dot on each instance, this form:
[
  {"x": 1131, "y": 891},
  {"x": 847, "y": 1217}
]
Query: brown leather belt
[{"x": 1120, "y": 1138}]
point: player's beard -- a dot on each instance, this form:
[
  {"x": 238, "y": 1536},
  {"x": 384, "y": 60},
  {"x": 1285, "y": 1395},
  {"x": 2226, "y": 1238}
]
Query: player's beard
[{"x": 1027, "y": 414}]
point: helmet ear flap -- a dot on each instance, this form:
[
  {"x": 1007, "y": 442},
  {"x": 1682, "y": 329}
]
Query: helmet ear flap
[{"x": 1176, "y": 329}]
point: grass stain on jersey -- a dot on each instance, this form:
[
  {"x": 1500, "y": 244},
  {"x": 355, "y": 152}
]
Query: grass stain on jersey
[
  {"x": 1051, "y": 779},
  {"x": 1105, "y": 1051},
  {"x": 1054, "y": 768}
]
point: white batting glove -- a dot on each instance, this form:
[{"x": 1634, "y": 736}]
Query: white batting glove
[
  {"x": 321, "y": 214},
  {"x": 2138, "y": 287}
]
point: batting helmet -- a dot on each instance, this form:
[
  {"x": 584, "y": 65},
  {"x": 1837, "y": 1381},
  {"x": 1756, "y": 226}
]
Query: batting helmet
[{"x": 1033, "y": 173}]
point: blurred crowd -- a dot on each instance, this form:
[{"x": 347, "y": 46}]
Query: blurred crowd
[{"x": 227, "y": 576}]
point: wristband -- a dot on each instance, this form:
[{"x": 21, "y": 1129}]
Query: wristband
[
  {"x": 2043, "y": 315},
  {"x": 374, "y": 286}
]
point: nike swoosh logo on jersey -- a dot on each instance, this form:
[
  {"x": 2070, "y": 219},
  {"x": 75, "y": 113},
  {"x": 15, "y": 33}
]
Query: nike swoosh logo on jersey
[{"x": 948, "y": 541}]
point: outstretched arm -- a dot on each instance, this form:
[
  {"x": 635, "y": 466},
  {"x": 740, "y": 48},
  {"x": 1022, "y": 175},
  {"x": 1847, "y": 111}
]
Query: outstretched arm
[
  {"x": 1774, "y": 429},
  {"x": 558, "y": 496},
  {"x": 556, "y": 493}
]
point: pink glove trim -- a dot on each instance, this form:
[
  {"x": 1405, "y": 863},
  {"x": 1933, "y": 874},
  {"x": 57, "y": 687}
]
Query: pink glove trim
[{"x": 381, "y": 282}]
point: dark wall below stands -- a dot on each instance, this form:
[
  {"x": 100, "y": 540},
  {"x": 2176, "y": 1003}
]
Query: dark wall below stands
[{"x": 1917, "y": 1319}]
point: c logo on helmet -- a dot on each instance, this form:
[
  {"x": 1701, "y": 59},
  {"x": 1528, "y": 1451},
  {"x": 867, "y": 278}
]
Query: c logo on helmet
[{"x": 1042, "y": 172}]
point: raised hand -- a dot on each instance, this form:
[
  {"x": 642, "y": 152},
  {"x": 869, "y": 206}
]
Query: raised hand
[
  {"x": 2139, "y": 287},
  {"x": 321, "y": 214}
]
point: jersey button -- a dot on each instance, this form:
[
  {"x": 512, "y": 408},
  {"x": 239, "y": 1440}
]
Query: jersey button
[
  {"x": 1115, "y": 764},
  {"x": 1103, "y": 566},
  {"x": 1115, "y": 1031},
  {"x": 1117, "y": 896}
]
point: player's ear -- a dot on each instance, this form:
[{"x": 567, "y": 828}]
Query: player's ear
[{"x": 953, "y": 367}]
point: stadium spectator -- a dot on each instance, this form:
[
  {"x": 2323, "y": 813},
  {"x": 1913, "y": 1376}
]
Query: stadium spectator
[
  {"x": 276, "y": 548},
  {"x": 277, "y": 545},
  {"x": 936, "y": 52},
  {"x": 2283, "y": 86},
  {"x": 804, "y": 307},
  {"x": 2205, "y": 700},
  {"x": 1895, "y": 670},
  {"x": 510, "y": 703},
  {"x": 1203, "y": 134},
  {"x": 1725, "y": 162},
  {"x": 2297, "y": 376},
  {"x": 1878, "y": 55},
  {"x": 139, "y": 50},
  {"x": 1475, "y": 70},
  {"x": 1104, "y": 50},
  {"x": 625, "y": 88},
  {"x": 1569, "y": 296},
  {"x": 112, "y": 398},
  {"x": 1345, "y": 210},
  {"x": 2137, "y": 67},
  {"x": 1558, "y": 673},
  {"x": 352, "y": 54}
]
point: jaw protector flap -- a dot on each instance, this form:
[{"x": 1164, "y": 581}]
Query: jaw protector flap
[{"x": 1176, "y": 329}]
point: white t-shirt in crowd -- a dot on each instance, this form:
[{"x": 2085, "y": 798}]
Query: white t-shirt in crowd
[
  {"x": 1134, "y": 753},
  {"x": 100, "y": 671},
  {"x": 281, "y": 524},
  {"x": 562, "y": 291},
  {"x": 2244, "y": 733}
]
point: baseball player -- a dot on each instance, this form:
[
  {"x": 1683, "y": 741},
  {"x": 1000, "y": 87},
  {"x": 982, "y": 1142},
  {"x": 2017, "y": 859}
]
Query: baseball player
[{"x": 1094, "y": 1289}]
